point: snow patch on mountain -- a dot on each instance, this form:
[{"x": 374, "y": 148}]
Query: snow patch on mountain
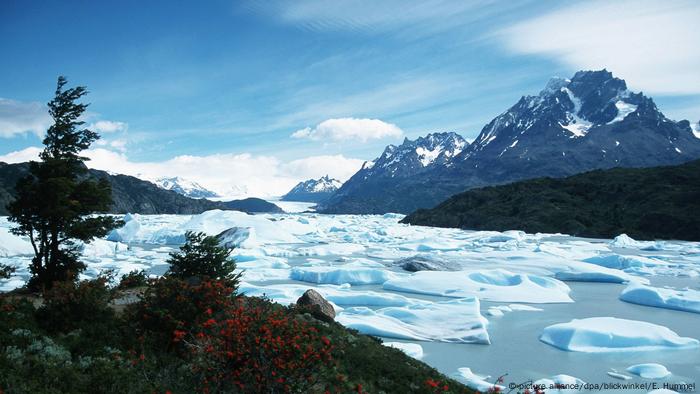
[
  {"x": 696, "y": 129},
  {"x": 185, "y": 187}
]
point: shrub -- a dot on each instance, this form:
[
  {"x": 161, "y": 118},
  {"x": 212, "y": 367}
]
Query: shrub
[
  {"x": 201, "y": 256},
  {"x": 171, "y": 304},
  {"x": 256, "y": 347},
  {"x": 6, "y": 271},
  {"x": 133, "y": 279},
  {"x": 68, "y": 305}
]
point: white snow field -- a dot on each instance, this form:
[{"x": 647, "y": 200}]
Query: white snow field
[
  {"x": 609, "y": 334},
  {"x": 489, "y": 298}
]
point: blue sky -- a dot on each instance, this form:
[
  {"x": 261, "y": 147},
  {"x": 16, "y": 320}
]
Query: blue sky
[{"x": 220, "y": 87}]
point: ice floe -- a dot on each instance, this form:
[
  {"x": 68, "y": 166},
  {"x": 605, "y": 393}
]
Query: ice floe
[
  {"x": 683, "y": 300},
  {"x": 343, "y": 274},
  {"x": 478, "y": 382},
  {"x": 493, "y": 285},
  {"x": 649, "y": 371},
  {"x": 457, "y": 321},
  {"x": 412, "y": 349},
  {"x": 13, "y": 245},
  {"x": 609, "y": 334}
]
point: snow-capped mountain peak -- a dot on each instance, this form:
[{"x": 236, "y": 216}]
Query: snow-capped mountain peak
[
  {"x": 313, "y": 190},
  {"x": 185, "y": 187}
]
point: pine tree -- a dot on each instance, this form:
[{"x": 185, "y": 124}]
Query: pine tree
[{"x": 55, "y": 203}]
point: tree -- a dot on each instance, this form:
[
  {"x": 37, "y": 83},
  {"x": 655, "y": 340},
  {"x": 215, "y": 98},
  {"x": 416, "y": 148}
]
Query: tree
[
  {"x": 202, "y": 256},
  {"x": 55, "y": 203}
]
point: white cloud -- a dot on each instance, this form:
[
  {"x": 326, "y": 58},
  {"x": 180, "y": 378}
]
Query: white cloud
[
  {"x": 232, "y": 175},
  {"x": 652, "y": 44},
  {"x": 20, "y": 156},
  {"x": 108, "y": 126},
  {"x": 17, "y": 117},
  {"x": 349, "y": 129}
]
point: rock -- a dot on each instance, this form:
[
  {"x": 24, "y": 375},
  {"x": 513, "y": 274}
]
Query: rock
[
  {"x": 426, "y": 263},
  {"x": 314, "y": 302}
]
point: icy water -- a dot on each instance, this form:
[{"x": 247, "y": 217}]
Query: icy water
[{"x": 352, "y": 261}]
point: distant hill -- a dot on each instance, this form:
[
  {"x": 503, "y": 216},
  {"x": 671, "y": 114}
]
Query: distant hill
[
  {"x": 133, "y": 195},
  {"x": 591, "y": 121},
  {"x": 313, "y": 190},
  {"x": 645, "y": 203}
]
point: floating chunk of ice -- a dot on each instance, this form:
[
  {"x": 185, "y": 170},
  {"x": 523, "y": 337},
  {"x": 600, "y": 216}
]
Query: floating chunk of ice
[
  {"x": 412, "y": 349},
  {"x": 478, "y": 382},
  {"x": 494, "y": 285},
  {"x": 649, "y": 371},
  {"x": 609, "y": 334},
  {"x": 12, "y": 245},
  {"x": 683, "y": 300},
  {"x": 448, "y": 321},
  {"x": 342, "y": 274}
]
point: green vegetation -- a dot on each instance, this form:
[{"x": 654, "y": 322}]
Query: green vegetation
[
  {"x": 55, "y": 200},
  {"x": 645, "y": 203},
  {"x": 187, "y": 336}
]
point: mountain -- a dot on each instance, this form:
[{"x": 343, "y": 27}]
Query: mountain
[
  {"x": 313, "y": 190},
  {"x": 371, "y": 189},
  {"x": 591, "y": 121},
  {"x": 185, "y": 187},
  {"x": 252, "y": 205},
  {"x": 130, "y": 194},
  {"x": 646, "y": 203}
]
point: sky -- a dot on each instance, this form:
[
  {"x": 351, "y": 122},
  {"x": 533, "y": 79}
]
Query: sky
[{"x": 251, "y": 97}]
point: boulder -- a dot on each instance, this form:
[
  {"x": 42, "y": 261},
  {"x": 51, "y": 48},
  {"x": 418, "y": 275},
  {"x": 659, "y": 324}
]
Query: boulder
[{"x": 314, "y": 303}]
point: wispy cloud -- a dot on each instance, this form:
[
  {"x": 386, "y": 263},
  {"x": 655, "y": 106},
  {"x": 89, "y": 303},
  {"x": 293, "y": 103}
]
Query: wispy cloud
[
  {"x": 409, "y": 18},
  {"x": 349, "y": 129},
  {"x": 652, "y": 44},
  {"x": 234, "y": 175},
  {"x": 17, "y": 117},
  {"x": 108, "y": 126}
]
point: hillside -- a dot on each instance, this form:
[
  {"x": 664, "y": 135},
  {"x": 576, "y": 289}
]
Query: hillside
[
  {"x": 133, "y": 195},
  {"x": 648, "y": 203}
]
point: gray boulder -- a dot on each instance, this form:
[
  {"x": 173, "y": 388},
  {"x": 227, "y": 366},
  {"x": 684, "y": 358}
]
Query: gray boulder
[{"x": 314, "y": 303}]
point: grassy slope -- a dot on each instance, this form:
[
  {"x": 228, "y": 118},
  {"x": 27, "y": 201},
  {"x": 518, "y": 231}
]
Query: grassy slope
[{"x": 646, "y": 203}]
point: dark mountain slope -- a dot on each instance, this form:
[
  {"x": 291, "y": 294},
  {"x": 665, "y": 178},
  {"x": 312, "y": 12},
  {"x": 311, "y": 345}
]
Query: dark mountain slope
[
  {"x": 134, "y": 195},
  {"x": 645, "y": 203}
]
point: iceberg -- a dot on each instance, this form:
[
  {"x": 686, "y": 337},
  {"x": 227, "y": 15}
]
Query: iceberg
[
  {"x": 338, "y": 275},
  {"x": 12, "y": 245},
  {"x": 127, "y": 232},
  {"x": 649, "y": 371},
  {"x": 609, "y": 334},
  {"x": 493, "y": 285},
  {"x": 457, "y": 321},
  {"x": 687, "y": 300},
  {"x": 287, "y": 294},
  {"x": 478, "y": 382},
  {"x": 412, "y": 349}
]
